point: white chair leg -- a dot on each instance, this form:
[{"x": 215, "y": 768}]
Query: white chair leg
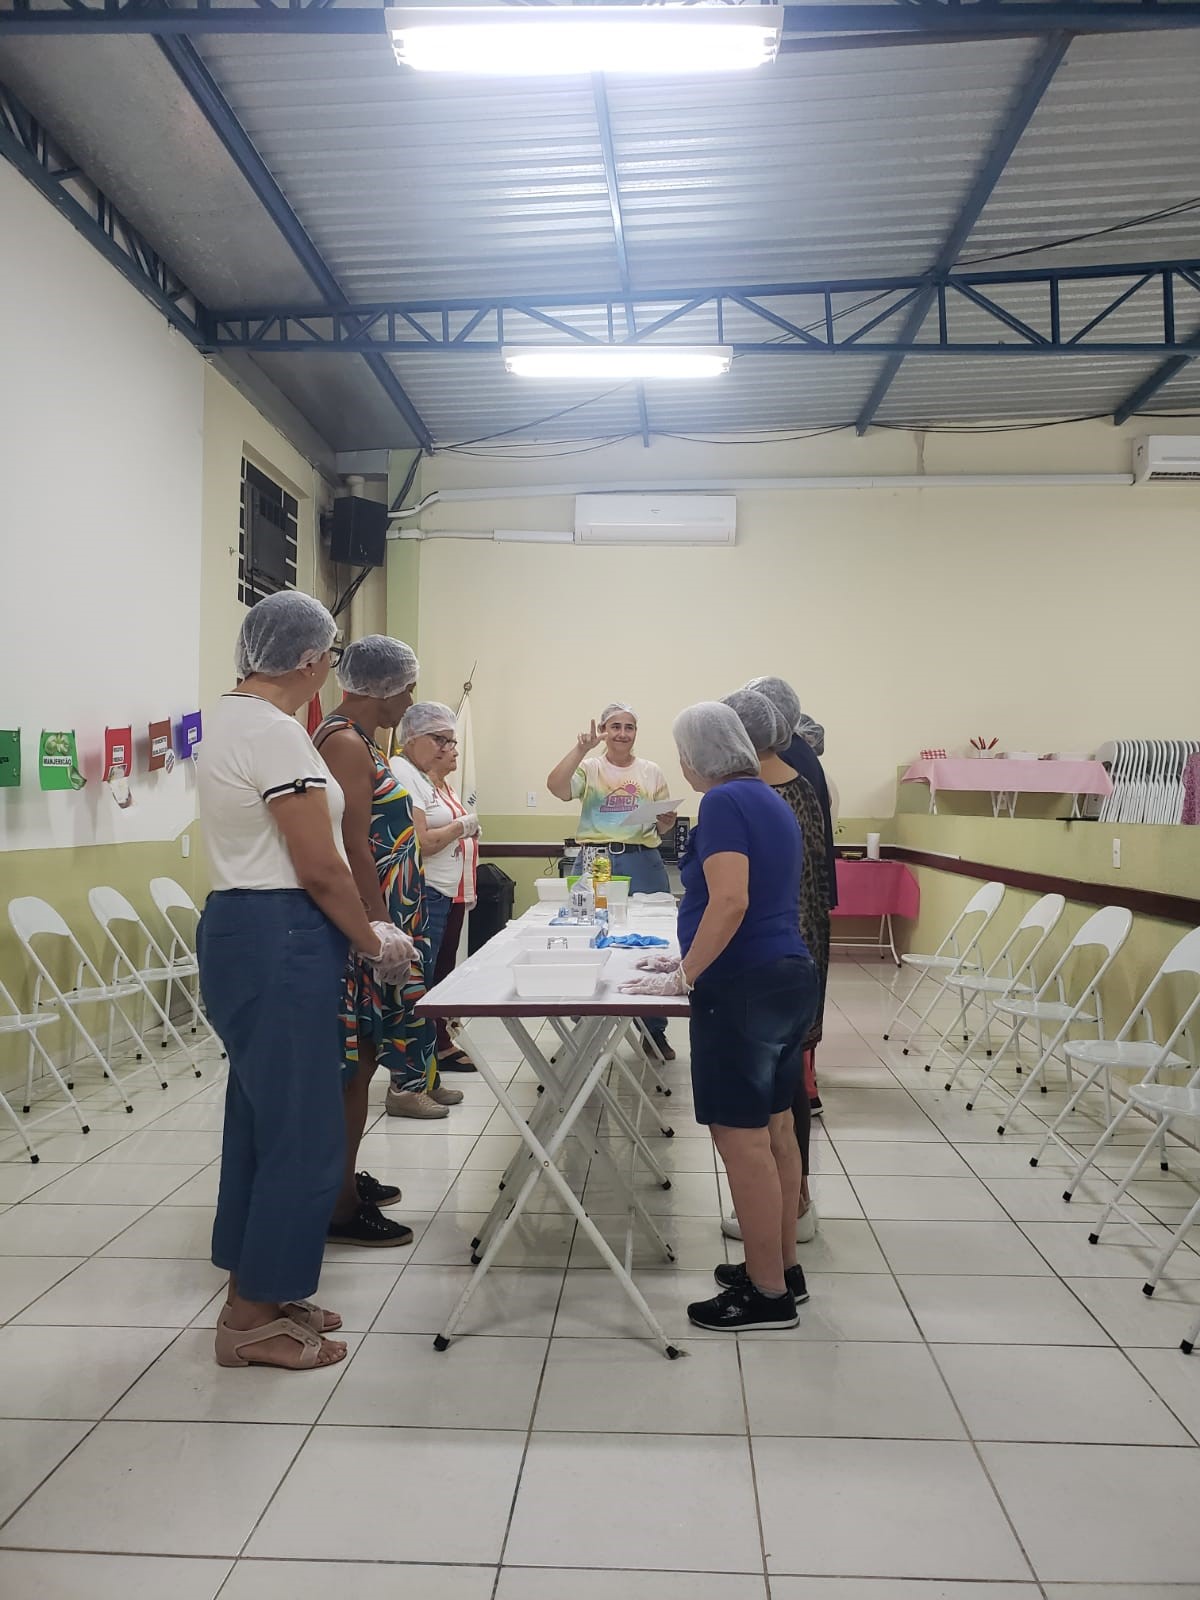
[
  {"x": 1089, "y": 1160},
  {"x": 1052, "y": 1131},
  {"x": 1188, "y": 1343},
  {"x": 1122, "y": 1188},
  {"x": 1168, "y": 1249}
]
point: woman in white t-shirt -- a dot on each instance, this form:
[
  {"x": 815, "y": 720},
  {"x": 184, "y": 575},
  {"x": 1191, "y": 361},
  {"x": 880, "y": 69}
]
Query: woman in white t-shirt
[
  {"x": 448, "y": 833},
  {"x": 272, "y": 945}
]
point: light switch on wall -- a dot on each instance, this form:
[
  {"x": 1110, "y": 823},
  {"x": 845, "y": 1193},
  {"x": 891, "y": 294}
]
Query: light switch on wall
[{"x": 531, "y": 799}]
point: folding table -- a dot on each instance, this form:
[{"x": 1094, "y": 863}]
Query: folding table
[
  {"x": 574, "y": 1096},
  {"x": 1006, "y": 779},
  {"x": 883, "y": 889}
]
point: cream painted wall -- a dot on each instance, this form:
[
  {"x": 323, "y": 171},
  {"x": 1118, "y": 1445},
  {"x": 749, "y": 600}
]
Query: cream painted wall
[{"x": 905, "y": 617}]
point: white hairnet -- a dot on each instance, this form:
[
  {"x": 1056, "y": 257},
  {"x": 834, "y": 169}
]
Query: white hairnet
[
  {"x": 812, "y": 732},
  {"x": 766, "y": 726},
  {"x": 377, "y": 666},
  {"x": 713, "y": 742},
  {"x": 781, "y": 695},
  {"x": 616, "y": 705},
  {"x": 427, "y": 716},
  {"x": 285, "y": 631}
]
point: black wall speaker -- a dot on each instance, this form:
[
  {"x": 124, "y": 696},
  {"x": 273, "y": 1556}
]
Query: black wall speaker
[{"x": 358, "y": 532}]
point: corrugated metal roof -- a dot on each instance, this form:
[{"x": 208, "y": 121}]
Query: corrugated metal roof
[
  {"x": 1115, "y": 137},
  {"x": 837, "y": 164}
]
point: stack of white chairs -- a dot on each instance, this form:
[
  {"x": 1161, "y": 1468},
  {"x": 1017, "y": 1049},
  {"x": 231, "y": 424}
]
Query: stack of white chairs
[
  {"x": 1013, "y": 972},
  {"x": 958, "y": 952},
  {"x": 1054, "y": 1009},
  {"x": 12, "y": 1021},
  {"x": 111, "y": 909},
  {"x": 1125, "y": 1054},
  {"x": 1147, "y": 778},
  {"x": 180, "y": 912},
  {"x": 34, "y": 922}
]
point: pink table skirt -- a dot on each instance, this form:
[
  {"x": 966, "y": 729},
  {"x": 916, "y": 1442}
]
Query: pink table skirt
[
  {"x": 1012, "y": 777},
  {"x": 876, "y": 889}
]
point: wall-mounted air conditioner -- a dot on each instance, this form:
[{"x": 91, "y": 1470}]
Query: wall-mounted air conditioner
[
  {"x": 655, "y": 519},
  {"x": 1163, "y": 458}
]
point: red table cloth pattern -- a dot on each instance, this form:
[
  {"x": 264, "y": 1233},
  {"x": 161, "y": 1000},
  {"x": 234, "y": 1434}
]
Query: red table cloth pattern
[{"x": 876, "y": 889}]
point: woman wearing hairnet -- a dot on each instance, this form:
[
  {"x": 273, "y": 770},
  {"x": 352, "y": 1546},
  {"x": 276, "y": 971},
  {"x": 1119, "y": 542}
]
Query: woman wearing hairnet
[
  {"x": 379, "y": 1028},
  {"x": 449, "y": 838},
  {"x": 769, "y": 733},
  {"x": 609, "y": 786},
  {"x": 753, "y": 994},
  {"x": 272, "y": 945},
  {"x": 802, "y": 755}
]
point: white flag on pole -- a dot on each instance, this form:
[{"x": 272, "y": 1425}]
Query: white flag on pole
[{"x": 466, "y": 755}]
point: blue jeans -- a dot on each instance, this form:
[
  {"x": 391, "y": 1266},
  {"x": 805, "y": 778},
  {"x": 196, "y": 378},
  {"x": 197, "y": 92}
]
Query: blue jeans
[
  {"x": 647, "y": 873},
  {"x": 271, "y": 970}
]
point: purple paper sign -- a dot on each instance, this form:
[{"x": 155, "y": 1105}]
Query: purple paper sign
[{"x": 188, "y": 733}]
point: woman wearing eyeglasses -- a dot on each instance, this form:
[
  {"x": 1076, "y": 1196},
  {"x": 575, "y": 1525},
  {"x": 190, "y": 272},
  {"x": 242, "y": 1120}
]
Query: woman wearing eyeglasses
[{"x": 448, "y": 833}]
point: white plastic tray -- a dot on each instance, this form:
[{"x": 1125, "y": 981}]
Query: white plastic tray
[{"x": 558, "y": 974}]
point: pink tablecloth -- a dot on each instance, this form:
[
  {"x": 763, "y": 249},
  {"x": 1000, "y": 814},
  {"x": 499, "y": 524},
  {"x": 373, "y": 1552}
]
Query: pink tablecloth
[
  {"x": 1012, "y": 777},
  {"x": 876, "y": 889}
]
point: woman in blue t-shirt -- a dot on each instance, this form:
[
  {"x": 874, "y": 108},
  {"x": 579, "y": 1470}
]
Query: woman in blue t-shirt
[{"x": 753, "y": 994}]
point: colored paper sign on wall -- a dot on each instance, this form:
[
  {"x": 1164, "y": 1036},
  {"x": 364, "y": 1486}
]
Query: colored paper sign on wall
[
  {"x": 162, "y": 757},
  {"x": 58, "y": 761},
  {"x": 10, "y": 758},
  {"x": 118, "y": 752},
  {"x": 188, "y": 734}
]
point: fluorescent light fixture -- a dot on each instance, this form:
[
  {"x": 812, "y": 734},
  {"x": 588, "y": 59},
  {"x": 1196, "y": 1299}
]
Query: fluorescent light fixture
[
  {"x": 618, "y": 361},
  {"x": 532, "y": 41}
]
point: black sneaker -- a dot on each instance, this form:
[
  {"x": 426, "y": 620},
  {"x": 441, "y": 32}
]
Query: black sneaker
[
  {"x": 742, "y": 1308},
  {"x": 373, "y": 1193},
  {"x": 815, "y": 1107},
  {"x": 370, "y": 1228},
  {"x": 731, "y": 1276}
]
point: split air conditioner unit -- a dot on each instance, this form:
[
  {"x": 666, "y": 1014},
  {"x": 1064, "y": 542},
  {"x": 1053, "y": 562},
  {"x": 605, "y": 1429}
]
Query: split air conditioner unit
[
  {"x": 1163, "y": 458},
  {"x": 661, "y": 519}
]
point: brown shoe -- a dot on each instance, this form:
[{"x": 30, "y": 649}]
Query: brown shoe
[
  {"x": 413, "y": 1103},
  {"x": 445, "y": 1096}
]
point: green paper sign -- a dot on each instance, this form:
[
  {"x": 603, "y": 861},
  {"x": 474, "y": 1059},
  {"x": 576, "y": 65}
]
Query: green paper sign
[
  {"x": 58, "y": 761},
  {"x": 10, "y": 758}
]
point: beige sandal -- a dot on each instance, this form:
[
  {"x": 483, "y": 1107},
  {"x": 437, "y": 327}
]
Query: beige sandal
[
  {"x": 311, "y": 1316},
  {"x": 232, "y": 1341}
]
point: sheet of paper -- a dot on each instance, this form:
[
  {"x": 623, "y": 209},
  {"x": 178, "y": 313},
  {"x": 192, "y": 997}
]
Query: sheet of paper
[{"x": 649, "y": 810}]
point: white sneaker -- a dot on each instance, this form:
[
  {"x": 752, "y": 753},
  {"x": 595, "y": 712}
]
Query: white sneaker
[{"x": 806, "y": 1225}]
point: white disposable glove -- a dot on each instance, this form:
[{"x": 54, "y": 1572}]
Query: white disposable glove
[
  {"x": 659, "y": 963},
  {"x": 396, "y": 953},
  {"x": 660, "y": 983},
  {"x": 470, "y": 826}
]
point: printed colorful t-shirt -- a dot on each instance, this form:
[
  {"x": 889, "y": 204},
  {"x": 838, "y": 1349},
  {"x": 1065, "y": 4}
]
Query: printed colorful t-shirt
[{"x": 609, "y": 793}]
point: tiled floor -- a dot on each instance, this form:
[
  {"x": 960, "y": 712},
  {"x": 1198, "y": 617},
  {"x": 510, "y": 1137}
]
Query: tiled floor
[{"x": 977, "y": 1405}]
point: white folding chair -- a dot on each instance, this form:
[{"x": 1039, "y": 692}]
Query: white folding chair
[
  {"x": 1167, "y": 1104},
  {"x": 109, "y": 906},
  {"x": 33, "y": 919},
  {"x": 958, "y": 952},
  {"x": 1127, "y": 1054},
  {"x": 1013, "y": 972},
  {"x": 181, "y": 913},
  {"x": 14, "y": 1020},
  {"x": 1054, "y": 1011}
]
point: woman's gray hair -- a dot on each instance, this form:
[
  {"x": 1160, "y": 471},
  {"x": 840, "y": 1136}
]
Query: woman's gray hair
[
  {"x": 281, "y": 634},
  {"x": 765, "y": 725},
  {"x": 712, "y": 741}
]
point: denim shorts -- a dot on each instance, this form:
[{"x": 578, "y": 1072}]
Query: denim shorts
[{"x": 747, "y": 1040}]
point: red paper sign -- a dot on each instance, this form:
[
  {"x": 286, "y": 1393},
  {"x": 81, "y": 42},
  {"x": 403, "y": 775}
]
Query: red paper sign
[
  {"x": 118, "y": 752},
  {"x": 160, "y": 745}
]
